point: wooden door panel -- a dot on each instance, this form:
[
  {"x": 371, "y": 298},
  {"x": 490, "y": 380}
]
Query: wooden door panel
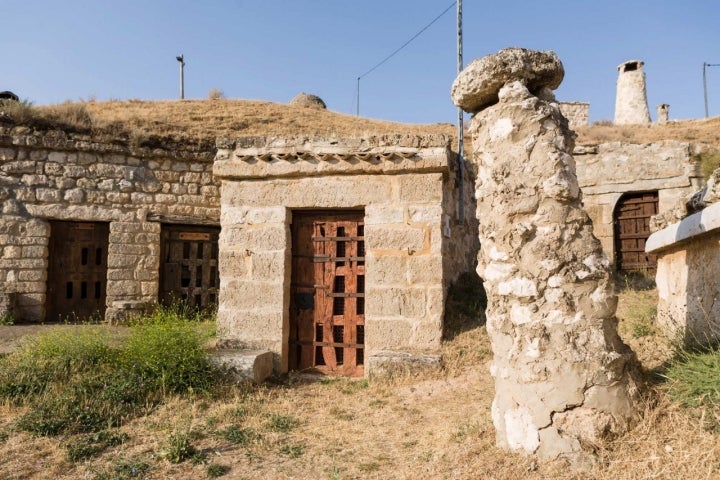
[
  {"x": 77, "y": 270},
  {"x": 189, "y": 265},
  {"x": 632, "y": 228},
  {"x": 327, "y": 265}
]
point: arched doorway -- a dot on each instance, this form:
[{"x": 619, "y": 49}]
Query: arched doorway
[{"x": 631, "y": 220}]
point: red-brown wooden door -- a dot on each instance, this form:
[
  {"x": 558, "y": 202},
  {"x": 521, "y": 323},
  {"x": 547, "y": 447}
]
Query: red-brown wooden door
[
  {"x": 632, "y": 228},
  {"x": 77, "y": 270},
  {"x": 327, "y": 310}
]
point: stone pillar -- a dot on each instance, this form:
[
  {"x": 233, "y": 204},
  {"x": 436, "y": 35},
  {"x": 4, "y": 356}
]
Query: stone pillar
[
  {"x": 563, "y": 377},
  {"x": 663, "y": 113},
  {"x": 631, "y": 106}
]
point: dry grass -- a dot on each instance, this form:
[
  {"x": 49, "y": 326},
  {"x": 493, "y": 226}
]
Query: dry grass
[
  {"x": 700, "y": 131},
  {"x": 197, "y": 123},
  {"x": 434, "y": 426}
]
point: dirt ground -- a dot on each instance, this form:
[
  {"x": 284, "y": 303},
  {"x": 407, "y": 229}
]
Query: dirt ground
[{"x": 434, "y": 426}]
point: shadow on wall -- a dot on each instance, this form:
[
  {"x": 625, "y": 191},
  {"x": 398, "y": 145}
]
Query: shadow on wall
[{"x": 465, "y": 305}]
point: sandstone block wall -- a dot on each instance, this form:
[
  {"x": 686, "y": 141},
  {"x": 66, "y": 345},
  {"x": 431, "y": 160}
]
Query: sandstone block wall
[
  {"x": 410, "y": 224},
  {"x": 577, "y": 113},
  {"x": 608, "y": 170},
  {"x": 687, "y": 277},
  {"x": 51, "y": 175}
]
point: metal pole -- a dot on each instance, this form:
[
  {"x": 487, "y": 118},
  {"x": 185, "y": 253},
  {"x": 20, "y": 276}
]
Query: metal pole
[
  {"x": 461, "y": 162},
  {"x": 181, "y": 59},
  {"x": 705, "y": 88},
  {"x": 357, "y": 105}
]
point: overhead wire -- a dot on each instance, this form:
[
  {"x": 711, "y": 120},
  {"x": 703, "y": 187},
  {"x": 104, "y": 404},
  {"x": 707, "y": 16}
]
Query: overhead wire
[{"x": 395, "y": 52}]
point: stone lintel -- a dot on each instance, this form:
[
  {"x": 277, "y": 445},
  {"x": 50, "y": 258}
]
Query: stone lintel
[
  {"x": 385, "y": 364},
  {"x": 242, "y": 365},
  {"x": 700, "y": 223},
  {"x": 291, "y": 161}
]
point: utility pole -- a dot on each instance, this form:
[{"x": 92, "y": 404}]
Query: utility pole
[
  {"x": 181, "y": 59},
  {"x": 461, "y": 209},
  {"x": 705, "y": 65}
]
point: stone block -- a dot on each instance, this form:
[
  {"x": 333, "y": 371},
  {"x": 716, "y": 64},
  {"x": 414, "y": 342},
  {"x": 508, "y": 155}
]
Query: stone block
[
  {"x": 387, "y": 269},
  {"x": 379, "y": 214},
  {"x": 389, "y": 364},
  {"x": 426, "y": 214},
  {"x": 425, "y": 269},
  {"x": 409, "y": 239},
  {"x": 268, "y": 266},
  {"x": 421, "y": 188},
  {"x": 244, "y": 365},
  {"x": 396, "y": 302}
]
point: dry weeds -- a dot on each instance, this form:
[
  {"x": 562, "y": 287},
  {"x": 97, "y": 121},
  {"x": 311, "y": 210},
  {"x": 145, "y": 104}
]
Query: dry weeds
[
  {"x": 197, "y": 123},
  {"x": 433, "y": 426}
]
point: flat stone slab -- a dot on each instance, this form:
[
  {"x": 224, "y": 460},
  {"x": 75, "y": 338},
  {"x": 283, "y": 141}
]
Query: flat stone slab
[
  {"x": 389, "y": 364},
  {"x": 477, "y": 86},
  {"x": 243, "y": 365},
  {"x": 702, "y": 222}
]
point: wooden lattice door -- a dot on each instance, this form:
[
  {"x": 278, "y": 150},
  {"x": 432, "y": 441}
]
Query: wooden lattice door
[
  {"x": 189, "y": 269},
  {"x": 632, "y": 229},
  {"x": 77, "y": 270},
  {"x": 327, "y": 318}
]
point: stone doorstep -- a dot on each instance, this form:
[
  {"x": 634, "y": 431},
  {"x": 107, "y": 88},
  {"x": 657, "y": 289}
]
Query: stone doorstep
[
  {"x": 389, "y": 363},
  {"x": 253, "y": 365}
]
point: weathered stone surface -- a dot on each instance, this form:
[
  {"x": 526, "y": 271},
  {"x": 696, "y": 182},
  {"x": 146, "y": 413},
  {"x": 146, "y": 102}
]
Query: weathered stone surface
[
  {"x": 551, "y": 305},
  {"x": 477, "y": 86},
  {"x": 631, "y": 106},
  {"x": 308, "y": 100},
  {"x": 688, "y": 290},
  {"x": 253, "y": 365},
  {"x": 388, "y": 364}
]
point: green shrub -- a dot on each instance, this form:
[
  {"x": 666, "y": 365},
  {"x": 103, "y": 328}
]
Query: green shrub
[
  {"x": 215, "y": 470},
  {"x": 179, "y": 447},
  {"x": 694, "y": 382},
  {"x": 169, "y": 355},
  {"x": 240, "y": 436},
  {"x": 75, "y": 382},
  {"x": 6, "y": 320},
  {"x": 282, "y": 423}
]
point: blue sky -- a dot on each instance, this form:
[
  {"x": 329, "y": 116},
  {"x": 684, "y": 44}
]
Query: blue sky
[{"x": 271, "y": 50}]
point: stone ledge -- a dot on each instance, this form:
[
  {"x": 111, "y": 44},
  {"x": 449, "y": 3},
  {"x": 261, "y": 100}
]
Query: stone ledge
[
  {"x": 386, "y": 364},
  {"x": 242, "y": 365},
  {"x": 262, "y": 163},
  {"x": 699, "y": 223}
]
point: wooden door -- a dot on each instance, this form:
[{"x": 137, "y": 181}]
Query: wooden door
[
  {"x": 189, "y": 265},
  {"x": 632, "y": 228},
  {"x": 327, "y": 311},
  {"x": 77, "y": 271}
]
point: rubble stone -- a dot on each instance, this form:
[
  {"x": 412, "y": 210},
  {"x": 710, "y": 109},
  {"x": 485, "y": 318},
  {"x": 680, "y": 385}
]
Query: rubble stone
[{"x": 563, "y": 377}]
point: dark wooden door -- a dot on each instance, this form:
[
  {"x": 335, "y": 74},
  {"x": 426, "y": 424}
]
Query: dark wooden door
[
  {"x": 77, "y": 270},
  {"x": 632, "y": 228},
  {"x": 189, "y": 265},
  {"x": 327, "y": 310}
]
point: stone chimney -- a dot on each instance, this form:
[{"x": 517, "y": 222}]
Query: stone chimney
[
  {"x": 663, "y": 113},
  {"x": 631, "y": 106}
]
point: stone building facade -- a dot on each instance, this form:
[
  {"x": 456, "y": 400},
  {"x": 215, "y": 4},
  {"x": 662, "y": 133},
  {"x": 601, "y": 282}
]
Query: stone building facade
[
  {"x": 395, "y": 198},
  {"x": 614, "y": 173},
  {"x": 113, "y": 203}
]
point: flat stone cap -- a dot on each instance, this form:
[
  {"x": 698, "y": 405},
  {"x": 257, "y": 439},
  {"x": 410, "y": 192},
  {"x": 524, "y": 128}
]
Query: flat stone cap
[{"x": 477, "y": 86}]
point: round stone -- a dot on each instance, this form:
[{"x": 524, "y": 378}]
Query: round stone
[{"x": 307, "y": 100}]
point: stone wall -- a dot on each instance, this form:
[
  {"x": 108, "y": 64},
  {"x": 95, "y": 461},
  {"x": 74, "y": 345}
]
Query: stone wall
[
  {"x": 608, "y": 170},
  {"x": 631, "y": 106},
  {"x": 414, "y": 245},
  {"x": 687, "y": 277},
  {"x": 51, "y": 175},
  {"x": 577, "y": 113}
]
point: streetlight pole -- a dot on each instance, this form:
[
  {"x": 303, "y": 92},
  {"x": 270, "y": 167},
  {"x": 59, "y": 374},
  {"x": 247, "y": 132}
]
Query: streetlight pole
[
  {"x": 705, "y": 65},
  {"x": 181, "y": 59}
]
